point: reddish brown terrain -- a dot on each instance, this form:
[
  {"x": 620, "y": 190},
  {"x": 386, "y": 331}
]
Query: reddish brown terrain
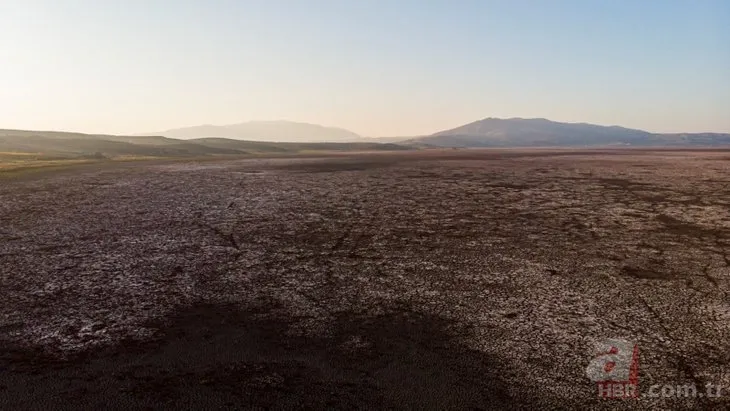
[{"x": 462, "y": 279}]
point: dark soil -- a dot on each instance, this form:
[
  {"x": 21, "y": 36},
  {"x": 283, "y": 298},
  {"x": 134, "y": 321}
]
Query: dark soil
[{"x": 447, "y": 279}]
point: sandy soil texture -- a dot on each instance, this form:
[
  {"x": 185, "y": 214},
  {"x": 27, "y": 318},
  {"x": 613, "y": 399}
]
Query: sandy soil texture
[{"x": 462, "y": 279}]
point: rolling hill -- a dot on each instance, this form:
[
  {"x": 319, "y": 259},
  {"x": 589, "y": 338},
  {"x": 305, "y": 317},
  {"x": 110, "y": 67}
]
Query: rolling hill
[
  {"x": 274, "y": 131},
  {"x": 271, "y": 147},
  {"x": 59, "y": 145},
  {"x": 519, "y": 132}
]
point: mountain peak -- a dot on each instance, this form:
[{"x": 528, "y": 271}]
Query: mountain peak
[
  {"x": 534, "y": 132},
  {"x": 266, "y": 130}
]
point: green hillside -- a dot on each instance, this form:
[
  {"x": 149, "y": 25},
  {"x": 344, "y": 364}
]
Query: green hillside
[{"x": 59, "y": 145}]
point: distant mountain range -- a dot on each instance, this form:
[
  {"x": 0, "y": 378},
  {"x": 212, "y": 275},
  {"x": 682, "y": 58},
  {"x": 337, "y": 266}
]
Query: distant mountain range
[
  {"x": 490, "y": 132},
  {"x": 260, "y": 137},
  {"x": 536, "y": 132},
  {"x": 276, "y": 131}
]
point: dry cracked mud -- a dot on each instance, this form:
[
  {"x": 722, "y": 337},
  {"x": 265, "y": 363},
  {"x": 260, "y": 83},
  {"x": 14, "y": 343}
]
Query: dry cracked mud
[{"x": 464, "y": 279}]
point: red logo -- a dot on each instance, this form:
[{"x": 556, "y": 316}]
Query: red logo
[{"x": 615, "y": 369}]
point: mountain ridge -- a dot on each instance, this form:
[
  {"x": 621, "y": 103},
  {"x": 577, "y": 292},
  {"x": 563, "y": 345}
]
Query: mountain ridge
[{"x": 534, "y": 132}]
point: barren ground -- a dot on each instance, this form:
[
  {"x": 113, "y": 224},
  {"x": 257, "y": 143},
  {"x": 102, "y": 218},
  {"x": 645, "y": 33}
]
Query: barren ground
[{"x": 447, "y": 279}]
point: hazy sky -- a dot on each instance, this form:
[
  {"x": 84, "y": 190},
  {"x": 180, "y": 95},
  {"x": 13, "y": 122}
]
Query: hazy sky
[{"x": 377, "y": 67}]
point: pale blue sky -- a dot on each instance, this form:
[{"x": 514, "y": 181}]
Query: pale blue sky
[{"x": 379, "y": 67}]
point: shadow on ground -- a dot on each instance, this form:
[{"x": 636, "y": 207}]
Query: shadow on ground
[{"x": 219, "y": 357}]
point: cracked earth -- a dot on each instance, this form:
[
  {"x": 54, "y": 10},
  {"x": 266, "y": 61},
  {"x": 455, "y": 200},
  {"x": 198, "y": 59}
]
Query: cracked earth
[{"x": 463, "y": 279}]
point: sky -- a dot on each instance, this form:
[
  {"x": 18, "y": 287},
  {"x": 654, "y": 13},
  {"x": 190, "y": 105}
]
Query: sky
[{"x": 376, "y": 67}]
